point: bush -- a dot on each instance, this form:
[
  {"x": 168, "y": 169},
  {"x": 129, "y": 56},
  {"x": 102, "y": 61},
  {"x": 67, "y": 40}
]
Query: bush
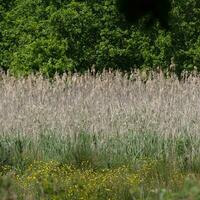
[{"x": 70, "y": 35}]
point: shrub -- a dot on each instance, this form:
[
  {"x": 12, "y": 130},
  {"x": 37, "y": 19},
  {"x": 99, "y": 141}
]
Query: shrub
[{"x": 60, "y": 36}]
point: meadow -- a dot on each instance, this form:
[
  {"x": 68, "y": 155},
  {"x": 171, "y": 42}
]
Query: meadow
[{"x": 100, "y": 136}]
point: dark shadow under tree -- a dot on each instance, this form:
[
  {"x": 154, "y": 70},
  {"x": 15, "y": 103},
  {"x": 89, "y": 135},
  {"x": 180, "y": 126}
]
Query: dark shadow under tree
[{"x": 157, "y": 10}]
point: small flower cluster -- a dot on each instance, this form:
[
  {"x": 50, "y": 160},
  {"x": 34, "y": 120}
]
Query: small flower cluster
[{"x": 53, "y": 180}]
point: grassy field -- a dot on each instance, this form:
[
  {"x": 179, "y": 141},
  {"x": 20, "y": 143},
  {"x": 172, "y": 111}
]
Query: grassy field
[{"x": 108, "y": 136}]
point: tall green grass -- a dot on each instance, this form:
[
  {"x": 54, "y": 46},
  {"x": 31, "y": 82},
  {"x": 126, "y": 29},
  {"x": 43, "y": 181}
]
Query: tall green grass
[
  {"x": 134, "y": 166},
  {"x": 182, "y": 151}
]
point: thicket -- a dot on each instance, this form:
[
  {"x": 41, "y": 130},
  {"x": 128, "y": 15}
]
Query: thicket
[{"x": 75, "y": 35}]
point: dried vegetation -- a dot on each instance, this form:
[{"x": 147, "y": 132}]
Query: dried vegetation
[{"x": 107, "y": 103}]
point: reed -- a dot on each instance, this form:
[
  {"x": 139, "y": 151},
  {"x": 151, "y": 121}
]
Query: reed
[
  {"x": 101, "y": 104},
  {"x": 138, "y": 128}
]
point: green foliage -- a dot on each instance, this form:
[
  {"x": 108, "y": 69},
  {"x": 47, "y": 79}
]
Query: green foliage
[
  {"x": 86, "y": 166},
  {"x": 186, "y": 31},
  {"x": 73, "y": 35},
  {"x": 53, "y": 180},
  {"x": 98, "y": 152},
  {"x": 8, "y": 188}
]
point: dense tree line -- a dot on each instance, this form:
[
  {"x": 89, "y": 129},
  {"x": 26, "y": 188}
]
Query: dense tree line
[{"x": 73, "y": 35}]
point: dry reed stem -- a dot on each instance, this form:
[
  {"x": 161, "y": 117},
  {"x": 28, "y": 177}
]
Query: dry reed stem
[{"x": 103, "y": 104}]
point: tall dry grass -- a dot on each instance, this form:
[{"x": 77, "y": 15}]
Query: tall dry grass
[{"x": 106, "y": 103}]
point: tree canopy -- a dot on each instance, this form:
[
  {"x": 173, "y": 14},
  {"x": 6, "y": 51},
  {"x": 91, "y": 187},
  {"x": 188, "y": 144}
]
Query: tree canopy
[{"x": 73, "y": 35}]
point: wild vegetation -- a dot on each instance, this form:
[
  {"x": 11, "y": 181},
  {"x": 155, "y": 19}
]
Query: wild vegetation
[
  {"x": 100, "y": 136},
  {"x": 72, "y": 128},
  {"x": 73, "y": 35}
]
